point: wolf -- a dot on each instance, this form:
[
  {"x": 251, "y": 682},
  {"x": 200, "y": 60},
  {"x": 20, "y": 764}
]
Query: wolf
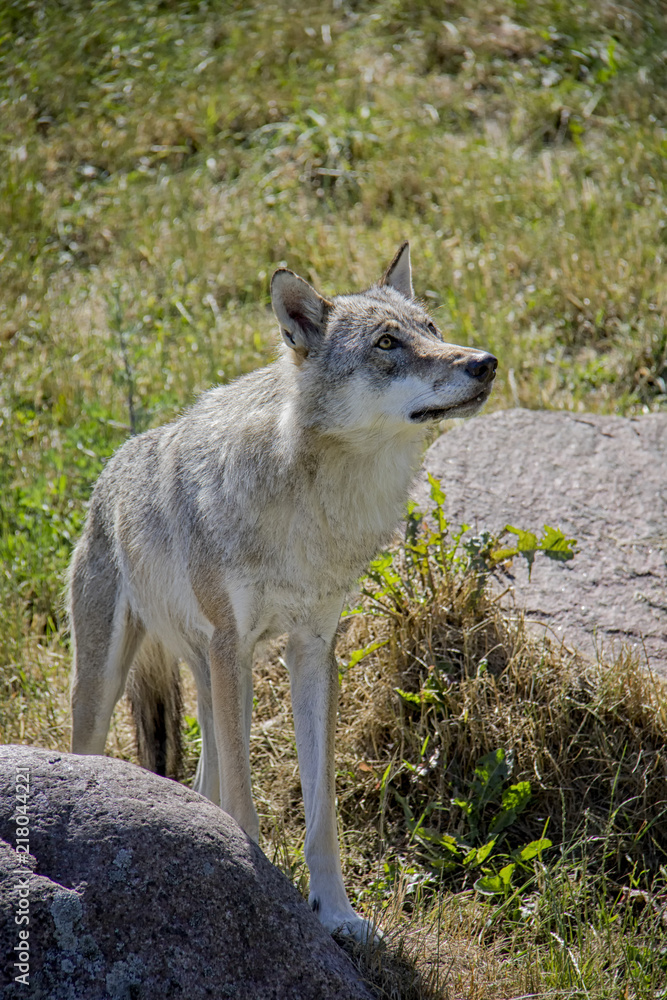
[{"x": 252, "y": 516}]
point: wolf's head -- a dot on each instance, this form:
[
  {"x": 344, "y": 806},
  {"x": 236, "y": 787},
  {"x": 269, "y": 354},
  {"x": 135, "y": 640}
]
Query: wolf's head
[{"x": 375, "y": 360}]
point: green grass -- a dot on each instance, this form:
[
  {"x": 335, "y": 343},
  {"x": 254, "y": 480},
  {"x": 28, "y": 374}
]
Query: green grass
[{"x": 157, "y": 162}]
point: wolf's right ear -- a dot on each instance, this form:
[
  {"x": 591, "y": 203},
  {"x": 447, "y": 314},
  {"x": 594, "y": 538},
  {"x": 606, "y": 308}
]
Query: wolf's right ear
[
  {"x": 300, "y": 310},
  {"x": 399, "y": 273}
]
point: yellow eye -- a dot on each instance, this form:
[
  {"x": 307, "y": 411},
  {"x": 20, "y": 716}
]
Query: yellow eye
[{"x": 385, "y": 343}]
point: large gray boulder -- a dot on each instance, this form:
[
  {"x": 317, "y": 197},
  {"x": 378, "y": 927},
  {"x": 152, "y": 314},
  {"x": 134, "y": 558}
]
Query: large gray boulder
[
  {"x": 140, "y": 889},
  {"x": 603, "y": 481}
]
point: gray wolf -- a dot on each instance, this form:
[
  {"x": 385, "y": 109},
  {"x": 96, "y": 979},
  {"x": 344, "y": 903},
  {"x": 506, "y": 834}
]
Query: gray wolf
[{"x": 251, "y": 516}]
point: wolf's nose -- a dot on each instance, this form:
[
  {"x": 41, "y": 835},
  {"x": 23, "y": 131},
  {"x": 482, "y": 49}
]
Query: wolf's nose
[{"x": 482, "y": 367}]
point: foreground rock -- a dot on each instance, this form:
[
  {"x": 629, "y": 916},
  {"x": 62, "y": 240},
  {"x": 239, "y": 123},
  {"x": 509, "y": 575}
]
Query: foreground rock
[
  {"x": 603, "y": 481},
  {"x": 143, "y": 890}
]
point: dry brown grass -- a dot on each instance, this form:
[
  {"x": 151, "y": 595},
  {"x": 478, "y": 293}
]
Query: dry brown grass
[{"x": 588, "y": 736}]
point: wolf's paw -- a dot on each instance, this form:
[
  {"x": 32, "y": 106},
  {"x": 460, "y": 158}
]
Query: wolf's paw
[
  {"x": 359, "y": 929},
  {"x": 346, "y": 923}
]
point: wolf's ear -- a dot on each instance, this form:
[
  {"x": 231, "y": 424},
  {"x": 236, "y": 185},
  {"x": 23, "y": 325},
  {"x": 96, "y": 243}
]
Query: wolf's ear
[
  {"x": 300, "y": 310},
  {"x": 399, "y": 274}
]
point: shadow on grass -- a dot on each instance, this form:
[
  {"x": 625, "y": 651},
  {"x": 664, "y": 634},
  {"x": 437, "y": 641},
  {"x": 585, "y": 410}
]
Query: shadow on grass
[{"x": 389, "y": 970}]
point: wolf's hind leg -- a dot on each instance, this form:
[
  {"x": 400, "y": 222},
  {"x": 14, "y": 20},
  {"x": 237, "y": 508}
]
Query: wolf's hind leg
[
  {"x": 105, "y": 640},
  {"x": 207, "y": 775}
]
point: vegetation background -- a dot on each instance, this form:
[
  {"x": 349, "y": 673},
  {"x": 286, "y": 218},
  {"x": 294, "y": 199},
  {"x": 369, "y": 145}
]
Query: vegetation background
[{"x": 157, "y": 162}]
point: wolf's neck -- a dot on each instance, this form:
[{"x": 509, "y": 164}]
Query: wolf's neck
[{"x": 365, "y": 483}]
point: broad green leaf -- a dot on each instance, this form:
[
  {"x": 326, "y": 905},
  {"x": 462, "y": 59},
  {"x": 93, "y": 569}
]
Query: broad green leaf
[
  {"x": 450, "y": 843},
  {"x": 483, "y": 852},
  {"x": 516, "y": 796},
  {"x": 514, "y": 800},
  {"x": 506, "y": 873},
  {"x": 499, "y": 555},
  {"x": 381, "y": 563},
  {"x": 492, "y": 770},
  {"x": 470, "y": 856},
  {"x": 555, "y": 545},
  {"x": 360, "y": 654},
  {"x": 527, "y": 541},
  {"x": 527, "y": 545},
  {"x": 490, "y": 885},
  {"x": 534, "y": 848}
]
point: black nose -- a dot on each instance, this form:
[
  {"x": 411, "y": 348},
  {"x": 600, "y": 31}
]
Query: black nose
[{"x": 482, "y": 367}]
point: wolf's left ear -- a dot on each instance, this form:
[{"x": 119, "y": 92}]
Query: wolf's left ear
[
  {"x": 300, "y": 310},
  {"x": 399, "y": 274}
]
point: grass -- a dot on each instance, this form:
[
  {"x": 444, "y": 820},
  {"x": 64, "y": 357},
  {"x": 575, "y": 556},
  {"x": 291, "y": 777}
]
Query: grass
[{"x": 156, "y": 163}]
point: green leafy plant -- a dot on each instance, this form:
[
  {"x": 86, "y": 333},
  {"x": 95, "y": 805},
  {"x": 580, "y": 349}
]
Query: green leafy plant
[
  {"x": 487, "y": 551},
  {"x": 436, "y": 566},
  {"x": 490, "y": 806},
  {"x": 432, "y": 553}
]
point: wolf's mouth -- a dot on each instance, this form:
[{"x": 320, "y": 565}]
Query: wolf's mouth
[{"x": 441, "y": 413}]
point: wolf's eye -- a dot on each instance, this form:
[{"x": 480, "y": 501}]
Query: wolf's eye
[
  {"x": 432, "y": 329},
  {"x": 386, "y": 343}
]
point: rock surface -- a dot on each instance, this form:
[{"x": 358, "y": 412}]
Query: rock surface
[
  {"x": 603, "y": 481},
  {"x": 141, "y": 890}
]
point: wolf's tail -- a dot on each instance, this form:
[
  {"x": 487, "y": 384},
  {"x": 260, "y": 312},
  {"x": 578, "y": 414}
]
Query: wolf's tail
[{"x": 154, "y": 692}]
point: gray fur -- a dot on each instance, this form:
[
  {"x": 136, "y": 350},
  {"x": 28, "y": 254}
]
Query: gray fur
[{"x": 251, "y": 516}]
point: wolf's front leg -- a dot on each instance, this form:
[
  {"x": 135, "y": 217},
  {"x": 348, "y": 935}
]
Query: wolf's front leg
[
  {"x": 314, "y": 685},
  {"x": 231, "y": 691}
]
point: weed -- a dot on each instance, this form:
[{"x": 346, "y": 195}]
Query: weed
[{"x": 471, "y": 804}]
